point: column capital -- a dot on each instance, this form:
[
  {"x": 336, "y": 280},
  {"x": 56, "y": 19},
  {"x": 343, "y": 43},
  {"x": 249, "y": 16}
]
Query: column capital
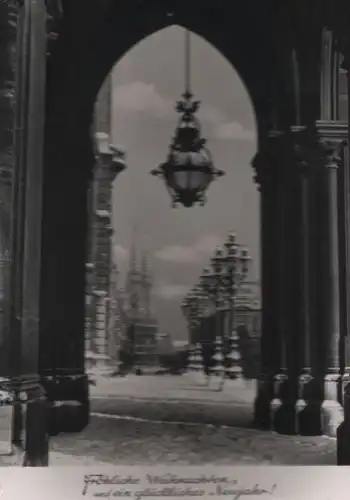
[
  {"x": 110, "y": 156},
  {"x": 332, "y": 136},
  {"x": 320, "y": 145},
  {"x": 268, "y": 160}
]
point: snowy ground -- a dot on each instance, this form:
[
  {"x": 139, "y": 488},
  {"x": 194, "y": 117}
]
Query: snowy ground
[
  {"x": 179, "y": 420},
  {"x": 185, "y": 398},
  {"x": 187, "y": 387},
  {"x": 132, "y": 442}
]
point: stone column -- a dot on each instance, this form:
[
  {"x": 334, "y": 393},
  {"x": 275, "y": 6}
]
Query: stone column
[
  {"x": 110, "y": 162},
  {"x": 287, "y": 290},
  {"x": 307, "y": 404},
  {"x": 27, "y": 236},
  {"x": 101, "y": 323},
  {"x": 285, "y": 219},
  {"x": 266, "y": 165},
  {"x": 10, "y": 104},
  {"x": 332, "y": 136}
]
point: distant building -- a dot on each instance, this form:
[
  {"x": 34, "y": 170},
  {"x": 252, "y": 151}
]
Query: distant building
[
  {"x": 164, "y": 343},
  {"x": 247, "y": 311},
  {"x": 180, "y": 344},
  {"x": 100, "y": 271},
  {"x": 248, "y": 325}
]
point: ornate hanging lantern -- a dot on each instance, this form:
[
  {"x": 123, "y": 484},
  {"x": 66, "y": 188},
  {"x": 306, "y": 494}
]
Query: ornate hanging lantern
[{"x": 189, "y": 167}]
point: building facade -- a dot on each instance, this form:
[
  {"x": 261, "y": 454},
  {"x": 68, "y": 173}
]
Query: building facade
[{"x": 102, "y": 314}]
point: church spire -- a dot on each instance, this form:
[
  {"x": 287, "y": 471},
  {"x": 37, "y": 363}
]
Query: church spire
[
  {"x": 146, "y": 283},
  {"x": 133, "y": 276},
  {"x": 145, "y": 268},
  {"x": 133, "y": 263}
]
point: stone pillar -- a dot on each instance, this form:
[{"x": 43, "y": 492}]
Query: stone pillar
[
  {"x": 281, "y": 277},
  {"x": 288, "y": 270},
  {"x": 307, "y": 404},
  {"x": 27, "y": 236},
  {"x": 101, "y": 323},
  {"x": 266, "y": 164},
  {"x": 88, "y": 306},
  {"x": 332, "y": 136},
  {"x": 109, "y": 162},
  {"x": 10, "y": 104}
]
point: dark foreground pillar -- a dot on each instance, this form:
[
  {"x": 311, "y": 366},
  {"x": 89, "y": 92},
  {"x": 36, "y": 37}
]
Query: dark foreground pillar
[
  {"x": 307, "y": 404},
  {"x": 285, "y": 219},
  {"x": 30, "y": 420},
  {"x": 266, "y": 164},
  {"x": 36, "y": 416},
  {"x": 64, "y": 252}
]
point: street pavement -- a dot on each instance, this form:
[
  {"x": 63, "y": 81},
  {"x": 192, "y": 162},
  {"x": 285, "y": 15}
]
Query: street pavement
[{"x": 177, "y": 420}]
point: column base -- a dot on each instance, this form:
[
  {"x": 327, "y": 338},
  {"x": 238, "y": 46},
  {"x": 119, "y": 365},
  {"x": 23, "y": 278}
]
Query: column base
[
  {"x": 36, "y": 435},
  {"x": 285, "y": 414},
  {"x": 332, "y": 416},
  {"x": 262, "y": 403},
  {"x": 69, "y": 396},
  {"x": 299, "y": 411},
  {"x": 309, "y": 406},
  {"x": 343, "y": 431},
  {"x": 322, "y": 413},
  {"x": 315, "y": 412},
  {"x": 332, "y": 413}
]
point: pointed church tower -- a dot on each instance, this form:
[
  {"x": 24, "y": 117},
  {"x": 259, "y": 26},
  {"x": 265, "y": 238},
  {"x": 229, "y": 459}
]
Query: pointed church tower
[
  {"x": 147, "y": 285},
  {"x": 133, "y": 281},
  {"x": 144, "y": 326}
]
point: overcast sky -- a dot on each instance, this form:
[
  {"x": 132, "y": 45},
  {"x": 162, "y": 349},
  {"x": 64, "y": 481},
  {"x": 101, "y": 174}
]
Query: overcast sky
[{"x": 146, "y": 84}]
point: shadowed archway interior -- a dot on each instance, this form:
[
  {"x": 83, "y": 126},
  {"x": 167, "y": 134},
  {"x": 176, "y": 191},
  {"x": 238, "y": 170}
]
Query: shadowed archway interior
[{"x": 286, "y": 70}]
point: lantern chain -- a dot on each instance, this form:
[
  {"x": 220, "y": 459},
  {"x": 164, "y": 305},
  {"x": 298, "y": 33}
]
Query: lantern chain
[{"x": 188, "y": 63}]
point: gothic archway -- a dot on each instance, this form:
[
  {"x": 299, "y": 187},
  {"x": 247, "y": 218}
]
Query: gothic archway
[
  {"x": 286, "y": 93},
  {"x": 78, "y": 64},
  {"x": 80, "y": 58}
]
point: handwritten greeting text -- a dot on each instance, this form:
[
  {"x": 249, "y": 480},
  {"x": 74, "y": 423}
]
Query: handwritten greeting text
[{"x": 170, "y": 485}]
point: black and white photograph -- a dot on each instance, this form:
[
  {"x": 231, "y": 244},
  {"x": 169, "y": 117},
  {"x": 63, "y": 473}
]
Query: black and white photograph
[{"x": 174, "y": 233}]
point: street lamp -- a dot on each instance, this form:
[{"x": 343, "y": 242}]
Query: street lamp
[
  {"x": 217, "y": 267},
  {"x": 189, "y": 167},
  {"x": 190, "y": 309},
  {"x": 236, "y": 268},
  {"x": 211, "y": 281}
]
